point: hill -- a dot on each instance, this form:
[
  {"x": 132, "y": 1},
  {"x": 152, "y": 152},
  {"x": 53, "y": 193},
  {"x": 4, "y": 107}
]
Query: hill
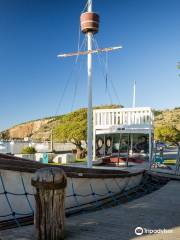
[
  {"x": 169, "y": 117},
  {"x": 41, "y": 129},
  {"x": 27, "y": 129}
]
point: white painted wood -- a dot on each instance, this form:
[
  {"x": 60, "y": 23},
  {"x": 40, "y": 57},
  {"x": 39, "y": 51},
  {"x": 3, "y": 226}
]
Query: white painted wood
[
  {"x": 82, "y": 187},
  {"x": 150, "y": 148},
  {"x": 134, "y": 95},
  {"x": 89, "y": 66},
  {"x": 95, "y": 117},
  {"x": 133, "y": 119}
]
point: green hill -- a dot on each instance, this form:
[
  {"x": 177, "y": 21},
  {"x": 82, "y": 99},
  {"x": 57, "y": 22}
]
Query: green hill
[{"x": 41, "y": 129}]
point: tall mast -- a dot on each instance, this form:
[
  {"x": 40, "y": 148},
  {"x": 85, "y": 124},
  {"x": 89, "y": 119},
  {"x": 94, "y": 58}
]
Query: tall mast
[
  {"x": 89, "y": 26},
  {"x": 133, "y": 105},
  {"x": 134, "y": 95},
  {"x": 89, "y": 114}
]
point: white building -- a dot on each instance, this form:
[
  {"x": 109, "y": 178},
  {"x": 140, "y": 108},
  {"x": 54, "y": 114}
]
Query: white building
[{"x": 115, "y": 128}]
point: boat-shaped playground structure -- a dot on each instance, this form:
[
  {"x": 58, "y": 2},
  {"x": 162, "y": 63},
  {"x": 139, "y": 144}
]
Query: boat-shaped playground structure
[
  {"x": 111, "y": 140},
  {"x": 87, "y": 188},
  {"x": 84, "y": 186}
]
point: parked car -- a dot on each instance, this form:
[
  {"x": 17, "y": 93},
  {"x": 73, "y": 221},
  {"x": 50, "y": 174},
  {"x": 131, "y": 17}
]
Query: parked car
[{"x": 161, "y": 145}]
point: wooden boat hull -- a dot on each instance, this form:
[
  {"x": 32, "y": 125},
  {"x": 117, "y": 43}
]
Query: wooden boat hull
[{"x": 84, "y": 185}]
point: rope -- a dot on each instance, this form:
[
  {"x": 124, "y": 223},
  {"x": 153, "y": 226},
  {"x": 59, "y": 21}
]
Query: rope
[
  {"x": 105, "y": 63},
  {"x": 94, "y": 196},
  {"x": 77, "y": 80},
  {"x": 73, "y": 69},
  {"x": 74, "y": 194},
  {"x": 104, "y": 72},
  {"x": 85, "y": 7},
  {"x": 13, "y": 214},
  {"x": 111, "y": 194},
  {"x": 95, "y": 199},
  {"x": 106, "y": 66},
  {"x": 26, "y": 194},
  {"x": 79, "y": 47}
]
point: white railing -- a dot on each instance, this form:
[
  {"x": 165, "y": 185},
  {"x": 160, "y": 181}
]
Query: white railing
[{"x": 135, "y": 117}]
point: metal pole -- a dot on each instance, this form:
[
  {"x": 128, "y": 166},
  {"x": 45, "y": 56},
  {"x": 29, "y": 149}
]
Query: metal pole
[
  {"x": 134, "y": 94},
  {"x": 154, "y": 154},
  {"x": 133, "y": 105},
  {"x": 52, "y": 141},
  {"x": 127, "y": 159},
  {"x": 89, "y": 67},
  {"x": 177, "y": 161},
  {"x": 94, "y": 141},
  {"x": 150, "y": 149},
  {"x": 112, "y": 145},
  {"x": 120, "y": 138},
  {"x": 131, "y": 144},
  {"x": 104, "y": 145}
]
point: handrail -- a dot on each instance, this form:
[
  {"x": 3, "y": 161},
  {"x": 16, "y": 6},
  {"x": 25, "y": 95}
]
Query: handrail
[{"x": 123, "y": 116}]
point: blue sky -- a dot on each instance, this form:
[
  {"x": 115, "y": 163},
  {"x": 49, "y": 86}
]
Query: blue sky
[{"x": 33, "y": 32}]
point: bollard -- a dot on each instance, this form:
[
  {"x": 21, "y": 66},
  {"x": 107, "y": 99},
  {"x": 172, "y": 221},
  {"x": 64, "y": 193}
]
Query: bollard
[{"x": 50, "y": 184}]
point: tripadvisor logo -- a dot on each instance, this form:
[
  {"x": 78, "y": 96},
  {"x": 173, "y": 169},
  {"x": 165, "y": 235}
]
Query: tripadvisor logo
[{"x": 139, "y": 231}]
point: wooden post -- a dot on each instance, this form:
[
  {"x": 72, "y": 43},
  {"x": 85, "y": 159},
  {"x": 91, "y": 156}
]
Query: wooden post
[
  {"x": 52, "y": 144},
  {"x": 50, "y": 184}
]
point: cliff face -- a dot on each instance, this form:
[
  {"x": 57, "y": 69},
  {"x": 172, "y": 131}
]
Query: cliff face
[{"x": 26, "y": 129}]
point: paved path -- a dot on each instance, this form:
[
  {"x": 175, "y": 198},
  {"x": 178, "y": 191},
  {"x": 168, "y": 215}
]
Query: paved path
[{"x": 158, "y": 210}]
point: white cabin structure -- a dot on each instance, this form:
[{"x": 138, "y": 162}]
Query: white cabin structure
[{"x": 108, "y": 124}]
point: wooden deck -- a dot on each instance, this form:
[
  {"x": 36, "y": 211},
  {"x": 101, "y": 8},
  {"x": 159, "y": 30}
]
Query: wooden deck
[{"x": 158, "y": 210}]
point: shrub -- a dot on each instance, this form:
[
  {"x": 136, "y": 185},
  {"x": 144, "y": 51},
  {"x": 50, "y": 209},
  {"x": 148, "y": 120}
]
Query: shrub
[{"x": 28, "y": 150}]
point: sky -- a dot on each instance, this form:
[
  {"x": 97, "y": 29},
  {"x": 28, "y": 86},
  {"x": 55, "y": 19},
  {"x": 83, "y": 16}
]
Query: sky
[{"x": 34, "y": 83}]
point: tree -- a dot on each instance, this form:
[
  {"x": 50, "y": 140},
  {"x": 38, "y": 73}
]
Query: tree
[
  {"x": 73, "y": 127},
  {"x": 157, "y": 112},
  {"x": 167, "y": 134},
  {"x": 5, "y": 135}
]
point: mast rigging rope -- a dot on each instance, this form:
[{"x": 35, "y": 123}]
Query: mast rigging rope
[
  {"x": 70, "y": 75},
  {"x": 106, "y": 74},
  {"x": 77, "y": 81},
  {"x": 104, "y": 71}
]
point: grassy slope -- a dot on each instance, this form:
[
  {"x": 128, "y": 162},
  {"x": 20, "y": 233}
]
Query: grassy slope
[
  {"x": 57, "y": 120},
  {"x": 165, "y": 117}
]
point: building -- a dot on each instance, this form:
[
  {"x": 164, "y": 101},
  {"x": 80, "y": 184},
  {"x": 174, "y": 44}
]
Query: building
[{"x": 122, "y": 130}]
